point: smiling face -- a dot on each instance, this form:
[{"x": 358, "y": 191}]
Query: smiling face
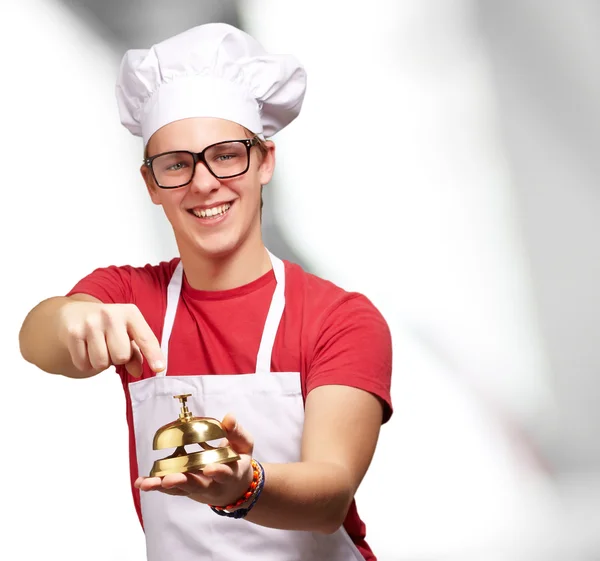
[{"x": 211, "y": 217}]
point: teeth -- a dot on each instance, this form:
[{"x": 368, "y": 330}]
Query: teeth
[{"x": 209, "y": 212}]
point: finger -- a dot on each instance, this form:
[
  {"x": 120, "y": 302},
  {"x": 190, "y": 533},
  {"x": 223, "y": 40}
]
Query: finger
[
  {"x": 173, "y": 480},
  {"x": 97, "y": 350},
  {"x": 199, "y": 478},
  {"x": 144, "y": 337},
  {"x": 136, "y": 354},
  {"x": 195, "y": 481},
  {"x": 239, "y": 439},
  {"x": 79, "y": 354},
  {"x": 148, "y": 483},
  {"x": 176, "y": 492},
  {"x": 136, "y": 365},
  {"x": 134, "y": 368},
  {"x": 222, "y": 473},
  {"x": 118, "y": 343},
  {"x": 186, "y": 484}
]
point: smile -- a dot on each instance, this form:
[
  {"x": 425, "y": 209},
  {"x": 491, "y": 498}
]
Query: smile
[{"x": 211, "y": 213}]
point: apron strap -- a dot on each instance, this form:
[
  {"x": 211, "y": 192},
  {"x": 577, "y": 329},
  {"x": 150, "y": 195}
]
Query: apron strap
[
  {"x": 265, "y": 350},
  {"x": 267, "y": 342},
  {"x": 173, "y": 293}
]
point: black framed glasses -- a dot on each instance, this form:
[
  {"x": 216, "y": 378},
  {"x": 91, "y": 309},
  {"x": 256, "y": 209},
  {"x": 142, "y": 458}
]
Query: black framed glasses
[{"x": 226, "y": 159}]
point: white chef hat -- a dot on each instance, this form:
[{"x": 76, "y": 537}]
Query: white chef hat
[{"x": 213, "y": 70}]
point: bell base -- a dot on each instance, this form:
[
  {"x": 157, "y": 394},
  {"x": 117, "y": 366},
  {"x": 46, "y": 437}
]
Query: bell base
[{"x": 195, "y": 461}]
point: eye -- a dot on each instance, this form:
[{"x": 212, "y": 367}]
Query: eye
[
  {"x": 172, "y": 163},
  {"x": 176, "y": 167},
  {"x": 225, "y": 157}
]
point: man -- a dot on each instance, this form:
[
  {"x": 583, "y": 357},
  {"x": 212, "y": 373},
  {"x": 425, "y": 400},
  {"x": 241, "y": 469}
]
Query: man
[{"x": 298, "y": 370}]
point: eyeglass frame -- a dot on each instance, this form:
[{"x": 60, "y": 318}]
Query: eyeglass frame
[{"x": 199, "y": 157}]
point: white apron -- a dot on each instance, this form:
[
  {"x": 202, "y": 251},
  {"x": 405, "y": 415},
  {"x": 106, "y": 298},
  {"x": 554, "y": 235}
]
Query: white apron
[{"x": 270, "y": 406}]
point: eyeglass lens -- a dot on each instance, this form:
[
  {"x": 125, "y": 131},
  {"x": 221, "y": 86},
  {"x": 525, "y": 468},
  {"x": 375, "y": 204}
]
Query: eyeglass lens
[{"x": 177, "y": 168}]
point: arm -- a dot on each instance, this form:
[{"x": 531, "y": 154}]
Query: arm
[
  {"x": 79, "y": 336},
  {"x": 39, "y": 339},
  {"x": 315, "y": 494},
  {"x": 92, "y": 328},
  {"x": 348, "y": 386}
]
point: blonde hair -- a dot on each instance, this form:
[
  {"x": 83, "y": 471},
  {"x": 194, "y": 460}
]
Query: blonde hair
[
  {"x": 262, "y": 148},
  {"x": 260, "y": 143}
]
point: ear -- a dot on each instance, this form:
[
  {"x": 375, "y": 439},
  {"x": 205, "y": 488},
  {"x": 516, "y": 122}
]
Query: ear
[
  {"x": 267, "y": 165},
  {"x": 150, "y": 184}
]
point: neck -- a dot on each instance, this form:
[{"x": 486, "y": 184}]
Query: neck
[{"x": 240, "y": 267}]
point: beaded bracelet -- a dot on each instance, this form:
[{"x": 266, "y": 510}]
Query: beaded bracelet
[
  {"x": 249, "y": 492},
  {"x": 256, "y": 487}
]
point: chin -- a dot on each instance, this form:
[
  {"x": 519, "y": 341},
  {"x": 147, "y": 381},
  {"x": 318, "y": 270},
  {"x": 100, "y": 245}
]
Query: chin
[
  {"x": 216, "y": 244},
  {"x": 221, "y": 246}
]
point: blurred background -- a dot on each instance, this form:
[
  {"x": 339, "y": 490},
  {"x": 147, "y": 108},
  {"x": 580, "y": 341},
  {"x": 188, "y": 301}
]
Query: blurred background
[{"x": 478, "y": 240}]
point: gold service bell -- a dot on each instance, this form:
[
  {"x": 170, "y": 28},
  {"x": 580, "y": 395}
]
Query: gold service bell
[{"x": 189, "y": 430}]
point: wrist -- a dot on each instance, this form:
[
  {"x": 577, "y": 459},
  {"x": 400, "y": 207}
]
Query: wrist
[
  {"x": 241, "y": 507},
  {"x": 241, "y": 489}
]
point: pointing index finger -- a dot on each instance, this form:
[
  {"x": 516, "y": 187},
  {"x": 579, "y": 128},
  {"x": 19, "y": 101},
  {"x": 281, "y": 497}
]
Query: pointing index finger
[{"x": 145, "y": 339}]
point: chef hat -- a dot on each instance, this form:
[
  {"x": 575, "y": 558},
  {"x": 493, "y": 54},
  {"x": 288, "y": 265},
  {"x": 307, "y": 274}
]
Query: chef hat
[{"x": 212, "y": 70}]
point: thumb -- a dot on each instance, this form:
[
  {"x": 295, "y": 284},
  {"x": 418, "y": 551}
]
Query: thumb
[
  {"x": 134, "y": 366},
  {"x": 239, "y": 438}
]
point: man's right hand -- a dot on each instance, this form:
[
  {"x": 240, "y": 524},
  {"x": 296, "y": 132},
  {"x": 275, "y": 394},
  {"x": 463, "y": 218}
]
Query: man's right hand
[{"x": 99, "y": 335}]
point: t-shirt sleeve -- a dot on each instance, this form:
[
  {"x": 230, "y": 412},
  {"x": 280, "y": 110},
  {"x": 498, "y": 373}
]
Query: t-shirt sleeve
[
  {"x": 111, "y": 285},
  {"x": 354, "y": 348}
]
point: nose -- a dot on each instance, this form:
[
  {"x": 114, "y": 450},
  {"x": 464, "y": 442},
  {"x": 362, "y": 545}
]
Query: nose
[{"x": 203, "y": 181}]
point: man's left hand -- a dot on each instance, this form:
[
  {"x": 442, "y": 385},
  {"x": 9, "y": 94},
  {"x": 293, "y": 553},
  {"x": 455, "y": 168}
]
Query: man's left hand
[{"x": 216, "y": 484}]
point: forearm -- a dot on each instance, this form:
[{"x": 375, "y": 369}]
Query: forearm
[
  {"x": 39, "y": 341},
  {"x": 307, "y": 496}
]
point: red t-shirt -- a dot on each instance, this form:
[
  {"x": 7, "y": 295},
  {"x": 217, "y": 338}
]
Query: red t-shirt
[{"x": 327, "y": 334}]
